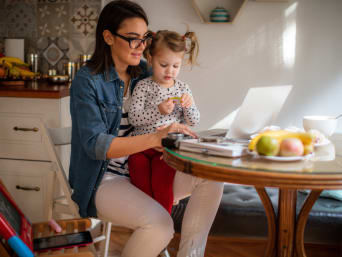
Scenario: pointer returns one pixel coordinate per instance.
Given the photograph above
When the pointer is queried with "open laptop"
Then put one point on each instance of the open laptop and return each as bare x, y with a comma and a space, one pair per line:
259, 109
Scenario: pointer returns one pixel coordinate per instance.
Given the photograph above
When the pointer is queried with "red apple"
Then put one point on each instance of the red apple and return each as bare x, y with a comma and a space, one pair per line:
291, 147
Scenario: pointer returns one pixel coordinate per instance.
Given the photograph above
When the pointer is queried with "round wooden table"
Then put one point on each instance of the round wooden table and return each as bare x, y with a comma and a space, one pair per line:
285, 230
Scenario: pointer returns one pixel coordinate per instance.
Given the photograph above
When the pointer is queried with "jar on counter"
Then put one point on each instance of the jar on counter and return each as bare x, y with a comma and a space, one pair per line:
84, 58
69, 69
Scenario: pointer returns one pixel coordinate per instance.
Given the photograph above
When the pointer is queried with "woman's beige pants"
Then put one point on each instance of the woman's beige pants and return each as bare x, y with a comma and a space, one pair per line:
120, 202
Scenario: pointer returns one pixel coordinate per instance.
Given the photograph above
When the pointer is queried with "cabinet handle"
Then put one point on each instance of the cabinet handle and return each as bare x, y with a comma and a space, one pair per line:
26, 129
28, 188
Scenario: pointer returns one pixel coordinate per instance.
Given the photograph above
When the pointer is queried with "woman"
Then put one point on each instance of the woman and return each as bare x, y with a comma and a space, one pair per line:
100, 95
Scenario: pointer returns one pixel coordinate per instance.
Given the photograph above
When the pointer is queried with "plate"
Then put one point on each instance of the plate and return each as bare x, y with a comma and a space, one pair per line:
283, 158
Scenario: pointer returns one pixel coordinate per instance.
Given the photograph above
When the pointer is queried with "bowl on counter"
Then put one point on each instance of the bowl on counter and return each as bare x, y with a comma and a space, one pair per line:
58, 79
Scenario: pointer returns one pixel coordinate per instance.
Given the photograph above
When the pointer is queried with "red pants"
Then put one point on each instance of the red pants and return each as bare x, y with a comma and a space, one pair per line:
153, 176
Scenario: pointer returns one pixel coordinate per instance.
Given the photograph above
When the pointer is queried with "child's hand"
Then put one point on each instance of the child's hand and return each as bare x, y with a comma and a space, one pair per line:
186, 101
166, 107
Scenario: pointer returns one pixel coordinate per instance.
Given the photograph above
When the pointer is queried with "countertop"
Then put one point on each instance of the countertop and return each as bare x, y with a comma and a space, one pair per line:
35, 89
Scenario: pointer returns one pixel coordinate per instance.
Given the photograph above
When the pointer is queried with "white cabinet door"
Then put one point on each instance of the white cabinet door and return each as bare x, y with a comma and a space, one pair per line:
30, 183
20, 118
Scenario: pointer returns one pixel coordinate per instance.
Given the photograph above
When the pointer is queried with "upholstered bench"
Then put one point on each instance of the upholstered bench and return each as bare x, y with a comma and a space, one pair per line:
241, 215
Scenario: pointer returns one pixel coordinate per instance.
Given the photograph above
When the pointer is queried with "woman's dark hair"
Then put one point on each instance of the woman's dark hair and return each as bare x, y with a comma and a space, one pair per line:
111, 17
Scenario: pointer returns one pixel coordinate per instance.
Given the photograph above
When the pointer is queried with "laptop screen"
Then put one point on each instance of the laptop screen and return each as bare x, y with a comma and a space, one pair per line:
259, 109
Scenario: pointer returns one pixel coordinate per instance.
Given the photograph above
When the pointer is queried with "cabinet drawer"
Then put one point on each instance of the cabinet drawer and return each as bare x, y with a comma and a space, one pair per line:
30, 183
20, 128
27, 113
21, 138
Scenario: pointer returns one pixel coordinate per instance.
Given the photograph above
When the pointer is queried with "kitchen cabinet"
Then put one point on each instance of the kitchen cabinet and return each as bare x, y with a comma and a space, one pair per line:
31, 185
25, 167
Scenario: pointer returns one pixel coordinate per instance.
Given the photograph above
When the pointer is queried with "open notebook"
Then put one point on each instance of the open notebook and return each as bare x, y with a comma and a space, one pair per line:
259, 109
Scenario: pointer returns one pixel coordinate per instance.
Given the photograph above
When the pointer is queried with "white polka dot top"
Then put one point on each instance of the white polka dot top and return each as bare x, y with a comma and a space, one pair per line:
144, 114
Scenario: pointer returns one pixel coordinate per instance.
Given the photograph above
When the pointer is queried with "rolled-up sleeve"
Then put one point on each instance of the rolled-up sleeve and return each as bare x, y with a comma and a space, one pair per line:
102, 145
90, 119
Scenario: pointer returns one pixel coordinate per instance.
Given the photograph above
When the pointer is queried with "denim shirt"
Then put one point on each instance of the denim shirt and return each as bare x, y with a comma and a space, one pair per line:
95, 107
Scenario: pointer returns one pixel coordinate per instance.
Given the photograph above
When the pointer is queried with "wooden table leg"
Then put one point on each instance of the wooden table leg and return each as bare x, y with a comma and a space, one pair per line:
302, 219
271, 221
286, 222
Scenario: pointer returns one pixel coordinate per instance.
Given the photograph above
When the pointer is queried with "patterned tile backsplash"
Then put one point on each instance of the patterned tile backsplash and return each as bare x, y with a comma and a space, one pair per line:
58, 30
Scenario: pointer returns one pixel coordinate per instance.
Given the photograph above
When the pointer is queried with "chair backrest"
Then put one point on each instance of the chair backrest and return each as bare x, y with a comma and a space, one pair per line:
62, 136
51, 138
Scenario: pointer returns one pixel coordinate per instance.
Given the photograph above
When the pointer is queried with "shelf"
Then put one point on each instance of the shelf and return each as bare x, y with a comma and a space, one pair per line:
279, 1
204, 7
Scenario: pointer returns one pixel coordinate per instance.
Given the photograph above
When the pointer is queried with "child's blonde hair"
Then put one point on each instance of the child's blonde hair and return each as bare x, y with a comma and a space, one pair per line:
186, 43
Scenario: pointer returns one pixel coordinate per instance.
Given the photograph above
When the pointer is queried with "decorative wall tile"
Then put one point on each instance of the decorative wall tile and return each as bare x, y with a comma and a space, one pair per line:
52, 19
53, 53
53, 1
21, 18
3, 29
58, 30
80, 45
30, 2
3, 25
2, 46
84, 19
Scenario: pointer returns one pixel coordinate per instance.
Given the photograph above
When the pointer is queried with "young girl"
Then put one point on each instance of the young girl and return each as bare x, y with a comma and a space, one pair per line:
161, 100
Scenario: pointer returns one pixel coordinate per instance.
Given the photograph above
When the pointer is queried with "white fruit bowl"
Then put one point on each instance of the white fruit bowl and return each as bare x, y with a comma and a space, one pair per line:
324, 124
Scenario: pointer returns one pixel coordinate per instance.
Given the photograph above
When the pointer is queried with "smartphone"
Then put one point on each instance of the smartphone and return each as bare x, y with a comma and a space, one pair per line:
62, 241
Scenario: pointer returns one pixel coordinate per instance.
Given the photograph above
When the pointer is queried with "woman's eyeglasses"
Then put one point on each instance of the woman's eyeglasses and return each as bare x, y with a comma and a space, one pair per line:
134, 43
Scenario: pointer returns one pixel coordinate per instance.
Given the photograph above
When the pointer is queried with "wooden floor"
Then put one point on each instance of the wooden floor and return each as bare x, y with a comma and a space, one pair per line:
223, 246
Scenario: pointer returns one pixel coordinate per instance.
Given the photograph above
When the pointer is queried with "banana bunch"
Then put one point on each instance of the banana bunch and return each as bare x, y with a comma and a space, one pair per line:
306, 138
16, 68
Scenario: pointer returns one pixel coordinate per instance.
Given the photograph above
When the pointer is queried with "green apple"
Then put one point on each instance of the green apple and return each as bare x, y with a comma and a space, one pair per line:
267, 145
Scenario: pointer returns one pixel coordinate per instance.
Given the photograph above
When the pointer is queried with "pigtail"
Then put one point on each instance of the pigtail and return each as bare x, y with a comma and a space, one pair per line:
147, 52
191, 46
186, 43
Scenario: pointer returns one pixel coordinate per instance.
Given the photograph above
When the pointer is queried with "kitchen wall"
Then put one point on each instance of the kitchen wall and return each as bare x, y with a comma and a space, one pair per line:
58, 30
298, 42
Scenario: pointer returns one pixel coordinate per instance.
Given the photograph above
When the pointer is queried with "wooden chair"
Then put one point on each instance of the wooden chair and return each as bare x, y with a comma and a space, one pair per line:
63, 204
62, 136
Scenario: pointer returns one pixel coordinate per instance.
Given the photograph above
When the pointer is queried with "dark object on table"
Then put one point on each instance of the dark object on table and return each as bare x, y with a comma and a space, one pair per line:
62, 241
172, 140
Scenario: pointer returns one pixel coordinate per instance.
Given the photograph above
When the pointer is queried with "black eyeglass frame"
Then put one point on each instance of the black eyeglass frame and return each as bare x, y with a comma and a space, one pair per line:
130, 39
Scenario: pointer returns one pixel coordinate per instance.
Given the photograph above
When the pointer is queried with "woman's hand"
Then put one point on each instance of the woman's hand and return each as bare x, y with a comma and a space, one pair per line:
166, 107
186, 101
163, 131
